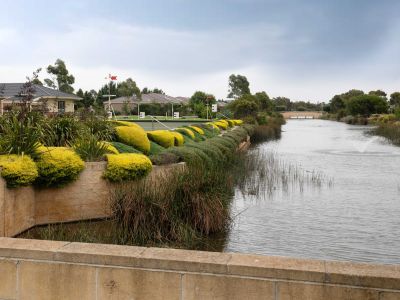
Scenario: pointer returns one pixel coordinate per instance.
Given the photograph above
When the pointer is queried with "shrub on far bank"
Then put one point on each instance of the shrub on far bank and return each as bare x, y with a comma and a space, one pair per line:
390, 131
18, 170
127, 166
264, 133
58, 166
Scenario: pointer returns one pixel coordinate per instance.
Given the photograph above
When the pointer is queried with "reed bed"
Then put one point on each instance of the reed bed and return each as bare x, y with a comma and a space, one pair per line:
265, 173
390, 131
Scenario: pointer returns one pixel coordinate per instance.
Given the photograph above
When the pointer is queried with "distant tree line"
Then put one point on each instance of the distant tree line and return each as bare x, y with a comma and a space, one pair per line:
357, 103
244, 104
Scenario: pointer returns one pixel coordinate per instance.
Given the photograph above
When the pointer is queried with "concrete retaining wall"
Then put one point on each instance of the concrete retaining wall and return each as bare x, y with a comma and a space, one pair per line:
86, 198
31, 269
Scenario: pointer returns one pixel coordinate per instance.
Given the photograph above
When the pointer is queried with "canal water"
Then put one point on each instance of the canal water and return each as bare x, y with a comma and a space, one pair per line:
357, 218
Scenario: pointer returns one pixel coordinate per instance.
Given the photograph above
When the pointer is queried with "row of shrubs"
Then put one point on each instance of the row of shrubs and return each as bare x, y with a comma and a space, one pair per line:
126, 147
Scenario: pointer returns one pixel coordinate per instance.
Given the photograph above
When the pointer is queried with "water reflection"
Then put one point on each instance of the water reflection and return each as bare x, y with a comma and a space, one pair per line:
356, 219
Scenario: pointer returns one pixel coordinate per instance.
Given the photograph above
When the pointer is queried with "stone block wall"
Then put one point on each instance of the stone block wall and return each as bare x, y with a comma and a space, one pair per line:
31, 269
86, 198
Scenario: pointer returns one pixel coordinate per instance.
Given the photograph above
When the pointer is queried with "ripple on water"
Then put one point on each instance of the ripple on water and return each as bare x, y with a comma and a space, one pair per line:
357, 219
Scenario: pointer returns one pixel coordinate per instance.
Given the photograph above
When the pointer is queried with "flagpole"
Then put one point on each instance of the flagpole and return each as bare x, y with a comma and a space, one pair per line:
111, 78
109, 97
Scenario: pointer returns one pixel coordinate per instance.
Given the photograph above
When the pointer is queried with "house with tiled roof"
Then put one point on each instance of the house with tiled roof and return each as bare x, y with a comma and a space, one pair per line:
151, 98
54, 100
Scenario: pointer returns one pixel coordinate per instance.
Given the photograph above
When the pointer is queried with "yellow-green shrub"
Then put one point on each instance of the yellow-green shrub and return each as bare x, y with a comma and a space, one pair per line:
213, 126
186, 131
197, 129
18, 170
134, 136
238, 122
162, 137
222, 125
225, 121
231, 123
58, 166
179, 139
126, 123
127, 166
109, 147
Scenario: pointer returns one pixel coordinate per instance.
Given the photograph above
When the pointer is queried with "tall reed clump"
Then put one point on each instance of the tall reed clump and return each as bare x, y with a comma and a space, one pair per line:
19, 135
186, 204
179, 208
390, 131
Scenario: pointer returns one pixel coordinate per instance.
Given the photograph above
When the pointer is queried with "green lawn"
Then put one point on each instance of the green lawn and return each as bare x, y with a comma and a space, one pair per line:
161, 118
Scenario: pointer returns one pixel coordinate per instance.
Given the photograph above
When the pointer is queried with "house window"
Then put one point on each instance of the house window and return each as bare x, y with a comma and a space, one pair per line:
61, 106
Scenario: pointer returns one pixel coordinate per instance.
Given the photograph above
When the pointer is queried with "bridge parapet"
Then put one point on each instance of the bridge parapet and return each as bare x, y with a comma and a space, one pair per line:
302, 114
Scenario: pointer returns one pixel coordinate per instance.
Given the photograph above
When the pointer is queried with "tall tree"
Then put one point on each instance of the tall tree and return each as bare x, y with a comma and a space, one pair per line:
395, 99
264, 101
378, 93
61, 80
352, 93
36, 80
198, 103
107, 89
366, 105
238, 86
146, 90
88, 98
282, 103
128, 88
245, 106
337, 103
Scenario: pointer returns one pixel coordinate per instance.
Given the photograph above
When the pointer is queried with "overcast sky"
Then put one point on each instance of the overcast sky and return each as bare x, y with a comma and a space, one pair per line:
302, 49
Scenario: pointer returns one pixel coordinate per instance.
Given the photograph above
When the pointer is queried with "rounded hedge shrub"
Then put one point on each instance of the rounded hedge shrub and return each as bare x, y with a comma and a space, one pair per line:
238, 122
225, 121
127, 166
109, 147
213, 127
197, 129
134, 136
231, 123
58, 166
208, 131
18, 170
179, 139
126, 123
162, 137
221, 125
186, 131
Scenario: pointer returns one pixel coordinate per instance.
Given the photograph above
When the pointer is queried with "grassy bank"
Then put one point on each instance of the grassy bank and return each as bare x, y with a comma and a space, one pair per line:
179, 210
